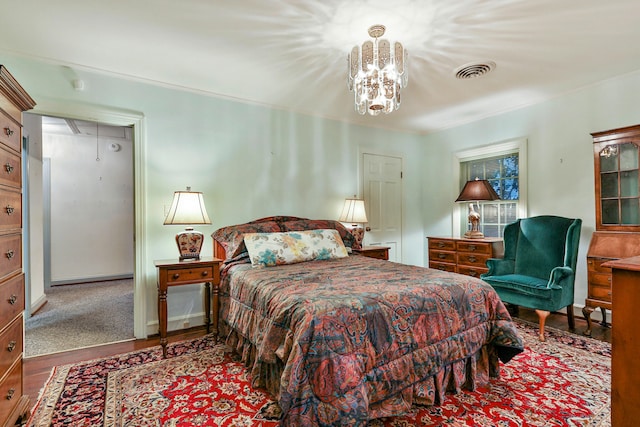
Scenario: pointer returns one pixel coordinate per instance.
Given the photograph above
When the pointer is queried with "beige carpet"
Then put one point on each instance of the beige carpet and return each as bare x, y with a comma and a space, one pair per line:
81, 315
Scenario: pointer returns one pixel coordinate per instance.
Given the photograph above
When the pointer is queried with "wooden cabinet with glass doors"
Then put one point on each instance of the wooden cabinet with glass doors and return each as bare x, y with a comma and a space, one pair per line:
617, 235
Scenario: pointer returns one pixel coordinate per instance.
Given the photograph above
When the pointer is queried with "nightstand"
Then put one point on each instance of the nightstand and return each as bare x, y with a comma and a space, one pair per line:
380, 252
187, 272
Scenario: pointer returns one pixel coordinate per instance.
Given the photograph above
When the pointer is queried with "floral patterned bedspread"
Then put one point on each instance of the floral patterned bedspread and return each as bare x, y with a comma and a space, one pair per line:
353, 339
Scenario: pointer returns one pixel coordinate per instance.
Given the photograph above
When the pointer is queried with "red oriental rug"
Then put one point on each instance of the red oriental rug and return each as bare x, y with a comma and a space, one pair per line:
562, 382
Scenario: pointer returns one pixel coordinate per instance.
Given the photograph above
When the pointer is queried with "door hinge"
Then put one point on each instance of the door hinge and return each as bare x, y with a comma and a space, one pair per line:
401, 175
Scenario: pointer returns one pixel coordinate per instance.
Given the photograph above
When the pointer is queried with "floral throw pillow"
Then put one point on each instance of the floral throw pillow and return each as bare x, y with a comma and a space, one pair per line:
271, 249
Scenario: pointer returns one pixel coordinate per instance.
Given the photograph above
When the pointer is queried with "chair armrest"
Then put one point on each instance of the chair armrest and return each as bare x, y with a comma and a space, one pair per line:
558, 276
500, 266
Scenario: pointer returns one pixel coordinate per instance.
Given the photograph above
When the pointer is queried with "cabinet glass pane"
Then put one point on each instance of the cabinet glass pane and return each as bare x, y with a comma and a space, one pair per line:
610, 214
608, 185
629, 183
609, 161
630, 211
628, 156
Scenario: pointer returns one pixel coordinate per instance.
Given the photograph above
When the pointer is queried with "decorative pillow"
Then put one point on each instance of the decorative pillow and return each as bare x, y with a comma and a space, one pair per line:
232, 237
310, 224
291, 247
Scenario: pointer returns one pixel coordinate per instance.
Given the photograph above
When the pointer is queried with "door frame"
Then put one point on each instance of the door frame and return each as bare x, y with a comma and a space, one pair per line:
137, 121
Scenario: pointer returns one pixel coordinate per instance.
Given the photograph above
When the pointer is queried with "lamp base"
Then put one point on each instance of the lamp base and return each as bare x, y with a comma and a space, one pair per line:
189, 243
473, 234
358, 234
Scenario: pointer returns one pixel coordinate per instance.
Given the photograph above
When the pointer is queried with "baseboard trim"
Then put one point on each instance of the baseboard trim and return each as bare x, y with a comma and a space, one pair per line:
37, 305
91, 279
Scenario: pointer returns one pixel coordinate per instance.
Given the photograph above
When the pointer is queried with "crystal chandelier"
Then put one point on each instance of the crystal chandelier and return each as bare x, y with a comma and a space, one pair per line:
377, 73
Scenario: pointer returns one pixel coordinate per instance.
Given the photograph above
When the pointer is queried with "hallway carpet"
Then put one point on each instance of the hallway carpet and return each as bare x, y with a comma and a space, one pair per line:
81, 315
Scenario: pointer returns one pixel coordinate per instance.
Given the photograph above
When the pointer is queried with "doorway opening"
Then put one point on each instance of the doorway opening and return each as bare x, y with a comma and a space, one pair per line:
83, 285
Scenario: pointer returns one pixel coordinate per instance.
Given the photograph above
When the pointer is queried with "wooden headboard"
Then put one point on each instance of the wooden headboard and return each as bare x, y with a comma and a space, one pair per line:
219, 251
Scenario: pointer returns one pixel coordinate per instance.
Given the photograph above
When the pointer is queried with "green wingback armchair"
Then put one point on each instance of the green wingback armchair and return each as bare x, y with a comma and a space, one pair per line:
539, 264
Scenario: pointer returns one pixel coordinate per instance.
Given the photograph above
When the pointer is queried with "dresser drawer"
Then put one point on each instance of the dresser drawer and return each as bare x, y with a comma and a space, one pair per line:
476, 248
10, 345
442, 256
11, 299
10, 133
11, 390
471, 271
442, 266
595, 265
10, 210
599, 292
10, 254
185, 275
472, 259
442, 244
10, 168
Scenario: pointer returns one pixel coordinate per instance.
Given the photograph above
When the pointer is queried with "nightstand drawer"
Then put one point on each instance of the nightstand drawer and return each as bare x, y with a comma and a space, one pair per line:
183, 275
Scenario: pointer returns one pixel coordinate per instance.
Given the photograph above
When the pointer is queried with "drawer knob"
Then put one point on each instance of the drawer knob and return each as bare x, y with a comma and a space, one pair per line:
441, 244
205, 273
12, 299
9, 254
176, 275
442, 256
8, 167
11, 346
472, 259
8, 131
473, 273
9, 209
472, 247
10, 393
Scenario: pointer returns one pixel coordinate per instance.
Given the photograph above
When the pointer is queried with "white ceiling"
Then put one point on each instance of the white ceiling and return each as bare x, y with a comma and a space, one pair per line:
291, 54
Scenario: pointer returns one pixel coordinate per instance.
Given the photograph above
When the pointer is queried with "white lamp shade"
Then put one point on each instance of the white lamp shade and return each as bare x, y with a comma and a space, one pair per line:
353, 212
187, 208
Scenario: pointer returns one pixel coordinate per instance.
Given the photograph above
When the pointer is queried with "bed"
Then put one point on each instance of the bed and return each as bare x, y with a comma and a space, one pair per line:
338, 338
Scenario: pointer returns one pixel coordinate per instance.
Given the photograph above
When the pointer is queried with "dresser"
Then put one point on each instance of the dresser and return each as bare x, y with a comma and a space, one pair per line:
464, 256
625, 342
14, 406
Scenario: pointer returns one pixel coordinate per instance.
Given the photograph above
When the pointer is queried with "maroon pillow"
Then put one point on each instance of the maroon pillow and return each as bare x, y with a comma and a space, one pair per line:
232, 237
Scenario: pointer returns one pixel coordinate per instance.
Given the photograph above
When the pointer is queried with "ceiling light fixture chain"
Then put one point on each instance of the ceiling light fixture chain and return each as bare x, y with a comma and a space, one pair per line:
377, 73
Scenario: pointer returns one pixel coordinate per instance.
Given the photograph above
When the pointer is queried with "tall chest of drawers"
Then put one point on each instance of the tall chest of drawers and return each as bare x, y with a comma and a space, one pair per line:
464, 256
14, 406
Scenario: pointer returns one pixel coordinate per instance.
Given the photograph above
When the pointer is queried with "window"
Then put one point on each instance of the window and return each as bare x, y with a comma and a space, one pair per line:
503, 166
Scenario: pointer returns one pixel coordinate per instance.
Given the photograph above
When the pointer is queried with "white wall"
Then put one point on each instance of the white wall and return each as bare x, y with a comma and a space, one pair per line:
91, 205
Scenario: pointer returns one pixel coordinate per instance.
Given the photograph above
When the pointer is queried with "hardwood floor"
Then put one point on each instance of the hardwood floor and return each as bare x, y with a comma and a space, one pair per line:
37, 369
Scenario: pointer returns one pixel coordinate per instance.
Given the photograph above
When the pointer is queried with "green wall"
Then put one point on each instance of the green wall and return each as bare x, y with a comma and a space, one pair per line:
249, 161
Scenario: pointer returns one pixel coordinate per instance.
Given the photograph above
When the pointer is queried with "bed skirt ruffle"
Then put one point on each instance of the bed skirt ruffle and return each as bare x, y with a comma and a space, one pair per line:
465, 374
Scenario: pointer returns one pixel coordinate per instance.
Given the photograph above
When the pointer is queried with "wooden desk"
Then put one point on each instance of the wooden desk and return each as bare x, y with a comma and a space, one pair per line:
625, 342
173, 272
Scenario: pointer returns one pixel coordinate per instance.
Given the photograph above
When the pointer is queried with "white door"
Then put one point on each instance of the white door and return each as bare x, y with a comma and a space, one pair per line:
382, 188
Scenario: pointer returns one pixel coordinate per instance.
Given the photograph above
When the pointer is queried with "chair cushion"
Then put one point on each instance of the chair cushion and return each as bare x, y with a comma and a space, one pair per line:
541, 245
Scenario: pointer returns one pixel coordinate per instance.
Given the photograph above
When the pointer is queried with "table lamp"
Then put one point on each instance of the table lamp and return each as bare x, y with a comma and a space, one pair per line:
476, 191
353, 212
187, 208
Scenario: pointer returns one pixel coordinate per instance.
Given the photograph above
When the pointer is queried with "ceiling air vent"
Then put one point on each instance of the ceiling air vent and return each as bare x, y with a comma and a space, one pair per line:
473, 70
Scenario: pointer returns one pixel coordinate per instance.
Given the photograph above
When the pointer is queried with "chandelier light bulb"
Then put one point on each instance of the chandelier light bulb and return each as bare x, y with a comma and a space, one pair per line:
377, 73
